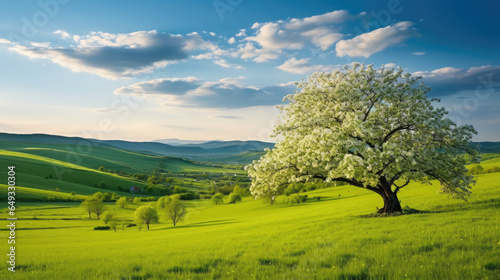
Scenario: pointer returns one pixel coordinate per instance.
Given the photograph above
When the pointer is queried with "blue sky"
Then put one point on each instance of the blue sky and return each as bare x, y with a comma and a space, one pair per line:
144, 70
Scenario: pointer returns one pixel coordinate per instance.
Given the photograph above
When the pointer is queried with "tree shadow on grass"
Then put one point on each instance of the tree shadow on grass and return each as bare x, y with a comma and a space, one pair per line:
201, 224
406, 211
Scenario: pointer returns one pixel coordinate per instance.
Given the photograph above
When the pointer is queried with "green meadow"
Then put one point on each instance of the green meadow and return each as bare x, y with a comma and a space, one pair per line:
333, 237
71, 168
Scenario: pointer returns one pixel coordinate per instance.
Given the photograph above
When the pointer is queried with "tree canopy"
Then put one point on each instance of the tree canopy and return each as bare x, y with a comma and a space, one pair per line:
146, 215
175, 208
371, 128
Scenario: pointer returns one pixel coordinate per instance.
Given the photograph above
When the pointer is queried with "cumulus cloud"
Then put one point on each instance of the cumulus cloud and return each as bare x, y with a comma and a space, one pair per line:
270, 39
448, 80
321, 30
231, 40
226, 93
302, 66
241, 33
258, 55
5, 42
118, 55
375, 41
224, 63
63, 34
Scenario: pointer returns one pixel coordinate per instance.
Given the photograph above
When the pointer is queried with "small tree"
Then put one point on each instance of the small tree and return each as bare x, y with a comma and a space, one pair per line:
122, 202
161, 202
146, 215
234, 197
218, 198
137, 200
102, 185
98, 195
98, 207
101, 168
87, 205
175, 209
113, 225
106, 217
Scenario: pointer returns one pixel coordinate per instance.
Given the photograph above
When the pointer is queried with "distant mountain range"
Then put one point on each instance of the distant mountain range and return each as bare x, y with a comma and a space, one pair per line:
179, 142
239, 152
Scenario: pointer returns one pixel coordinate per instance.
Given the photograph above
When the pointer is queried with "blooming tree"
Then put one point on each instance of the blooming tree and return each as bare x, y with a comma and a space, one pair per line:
371, 128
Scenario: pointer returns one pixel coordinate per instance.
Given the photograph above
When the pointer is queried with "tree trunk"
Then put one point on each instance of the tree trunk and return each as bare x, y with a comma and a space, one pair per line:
147, 226
391, 201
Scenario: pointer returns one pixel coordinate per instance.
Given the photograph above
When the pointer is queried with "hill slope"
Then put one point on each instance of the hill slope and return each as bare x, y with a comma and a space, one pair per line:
213, 151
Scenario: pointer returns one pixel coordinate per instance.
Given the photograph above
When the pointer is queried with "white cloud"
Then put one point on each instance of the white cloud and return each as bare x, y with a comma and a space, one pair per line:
5, 41
63, 34
231, 40
258, 55
224, 63
228, 93
418, 53
40, 45
321, 30
272, 38
302, 66
390, 65
375, 41
448, 80
339, 16
116, 56
241, 33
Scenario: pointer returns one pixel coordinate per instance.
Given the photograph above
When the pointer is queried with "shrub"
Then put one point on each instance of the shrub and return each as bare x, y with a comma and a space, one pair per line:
234, 197
476, 169
122, 202
102, 228
187, 196
218, 198
299, 199
137, 200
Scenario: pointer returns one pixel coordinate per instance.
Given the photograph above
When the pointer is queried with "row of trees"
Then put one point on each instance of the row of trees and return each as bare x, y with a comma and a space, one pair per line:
172, 205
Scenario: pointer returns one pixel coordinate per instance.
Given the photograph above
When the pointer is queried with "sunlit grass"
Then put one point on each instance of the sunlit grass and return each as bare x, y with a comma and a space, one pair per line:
326, 239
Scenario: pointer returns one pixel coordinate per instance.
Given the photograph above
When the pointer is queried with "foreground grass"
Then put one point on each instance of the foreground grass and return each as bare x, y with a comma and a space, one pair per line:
326, 239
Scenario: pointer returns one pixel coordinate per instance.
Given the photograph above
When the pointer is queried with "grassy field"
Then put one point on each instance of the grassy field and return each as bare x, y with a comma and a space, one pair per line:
332, 238
72, 169
115, 159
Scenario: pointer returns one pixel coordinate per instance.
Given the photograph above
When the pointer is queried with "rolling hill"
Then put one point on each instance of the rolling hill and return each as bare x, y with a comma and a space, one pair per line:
212, 151
42, 168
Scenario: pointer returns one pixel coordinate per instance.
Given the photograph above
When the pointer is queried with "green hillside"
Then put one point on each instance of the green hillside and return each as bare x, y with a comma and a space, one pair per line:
45, 173
110, 158
213, 151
